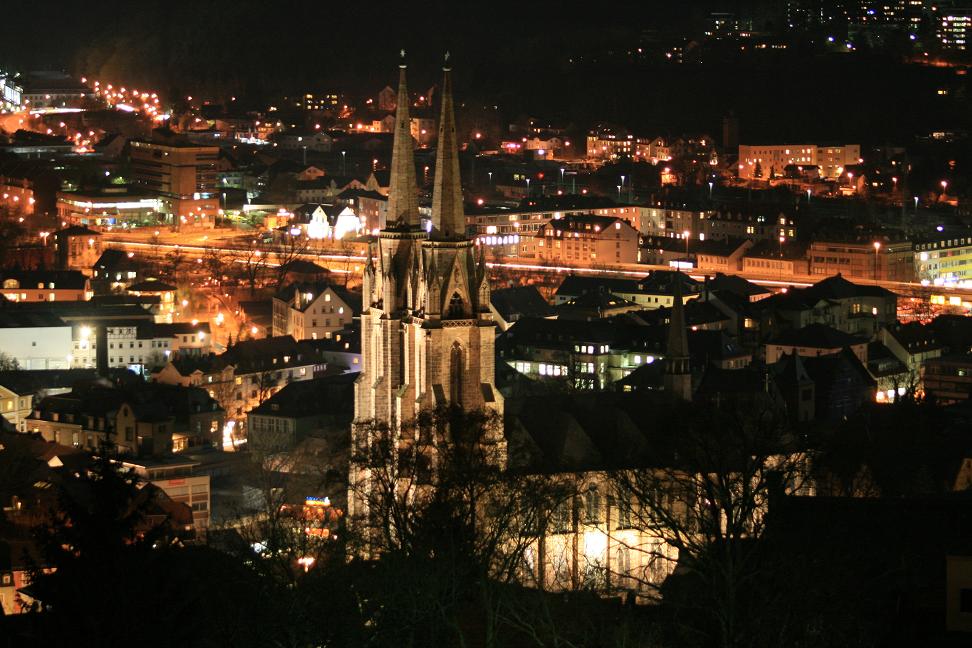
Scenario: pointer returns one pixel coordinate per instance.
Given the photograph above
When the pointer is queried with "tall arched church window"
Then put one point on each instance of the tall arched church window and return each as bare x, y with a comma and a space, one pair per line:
455, 375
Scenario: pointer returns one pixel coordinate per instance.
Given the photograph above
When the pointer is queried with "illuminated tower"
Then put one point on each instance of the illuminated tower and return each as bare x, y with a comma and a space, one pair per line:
427, 336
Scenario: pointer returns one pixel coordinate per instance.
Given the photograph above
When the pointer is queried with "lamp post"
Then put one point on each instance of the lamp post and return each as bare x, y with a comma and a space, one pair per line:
619, 192
916, 205
685, 235
944, 184
877, 249
528, 187
562, 169
782, 239
344, 166
490, 174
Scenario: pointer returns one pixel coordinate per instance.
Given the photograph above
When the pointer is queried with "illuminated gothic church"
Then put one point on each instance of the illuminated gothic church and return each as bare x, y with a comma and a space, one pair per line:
427, 336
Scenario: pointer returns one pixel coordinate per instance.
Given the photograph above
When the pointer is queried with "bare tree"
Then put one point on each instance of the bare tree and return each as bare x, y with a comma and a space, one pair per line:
292, 248
250, 263
433, 499
706, 503
216, 262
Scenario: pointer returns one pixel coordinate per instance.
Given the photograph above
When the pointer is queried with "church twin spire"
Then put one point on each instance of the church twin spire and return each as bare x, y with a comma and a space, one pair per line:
448, 216
402, 196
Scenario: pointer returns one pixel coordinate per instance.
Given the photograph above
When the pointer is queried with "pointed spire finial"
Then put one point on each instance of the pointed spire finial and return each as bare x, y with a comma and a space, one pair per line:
447, 208
402, 196
446, 66
402, 56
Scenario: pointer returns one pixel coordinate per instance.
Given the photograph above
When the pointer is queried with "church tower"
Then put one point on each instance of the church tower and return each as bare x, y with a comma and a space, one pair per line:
427, 336
678, 366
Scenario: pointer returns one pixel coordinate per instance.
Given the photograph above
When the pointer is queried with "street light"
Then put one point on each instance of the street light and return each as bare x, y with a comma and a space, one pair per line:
877, 249
528, 187
944, 186
344, 166
490, 174
685, 235
619, 192
562, 169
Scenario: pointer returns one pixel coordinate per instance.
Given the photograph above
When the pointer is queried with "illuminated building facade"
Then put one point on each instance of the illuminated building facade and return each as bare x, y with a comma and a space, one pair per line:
587, 240
881, 261
763, 161
945, 259
182, 176
16, 195
11, 92
953, 28
113, 206
508, 232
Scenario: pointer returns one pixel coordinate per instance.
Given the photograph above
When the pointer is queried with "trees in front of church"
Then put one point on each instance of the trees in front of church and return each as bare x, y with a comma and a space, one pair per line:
707, 501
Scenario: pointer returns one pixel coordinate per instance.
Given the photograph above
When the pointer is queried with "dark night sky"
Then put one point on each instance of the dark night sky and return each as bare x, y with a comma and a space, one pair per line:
513, 54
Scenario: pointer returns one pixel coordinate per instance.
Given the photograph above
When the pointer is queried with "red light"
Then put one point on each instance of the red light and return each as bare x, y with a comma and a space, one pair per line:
540, 176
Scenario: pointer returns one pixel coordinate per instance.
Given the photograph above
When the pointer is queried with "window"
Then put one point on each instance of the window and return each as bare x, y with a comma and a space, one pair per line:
560, 518
592, 506
965, 601
455, 374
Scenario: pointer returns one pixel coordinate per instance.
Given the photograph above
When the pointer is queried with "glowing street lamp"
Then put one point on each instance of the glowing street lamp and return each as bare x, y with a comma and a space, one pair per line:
944, 184
877, 249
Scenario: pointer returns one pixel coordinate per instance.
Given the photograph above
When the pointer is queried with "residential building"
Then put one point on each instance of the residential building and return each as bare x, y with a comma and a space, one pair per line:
511, 304
20, 388
55, 90
912, 345
302, 409
178, 477
35, 339
610, 144
76, 247
183, 177
140, 345
948, 379
245, 375
165, 292
953, 28
511, 232
945, 259
16, 195
764, 161
311, 311
814, 340
656, 290
587, 240
874, 260
114, 270
35, 286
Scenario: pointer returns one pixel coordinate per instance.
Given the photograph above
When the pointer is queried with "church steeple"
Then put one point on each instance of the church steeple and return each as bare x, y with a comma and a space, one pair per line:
678, 370
402, 195
448, 216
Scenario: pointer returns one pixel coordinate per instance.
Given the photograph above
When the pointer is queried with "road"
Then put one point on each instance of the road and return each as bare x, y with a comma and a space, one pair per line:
196, 245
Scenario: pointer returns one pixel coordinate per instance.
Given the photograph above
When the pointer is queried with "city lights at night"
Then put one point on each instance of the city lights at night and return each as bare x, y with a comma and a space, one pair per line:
486, 325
